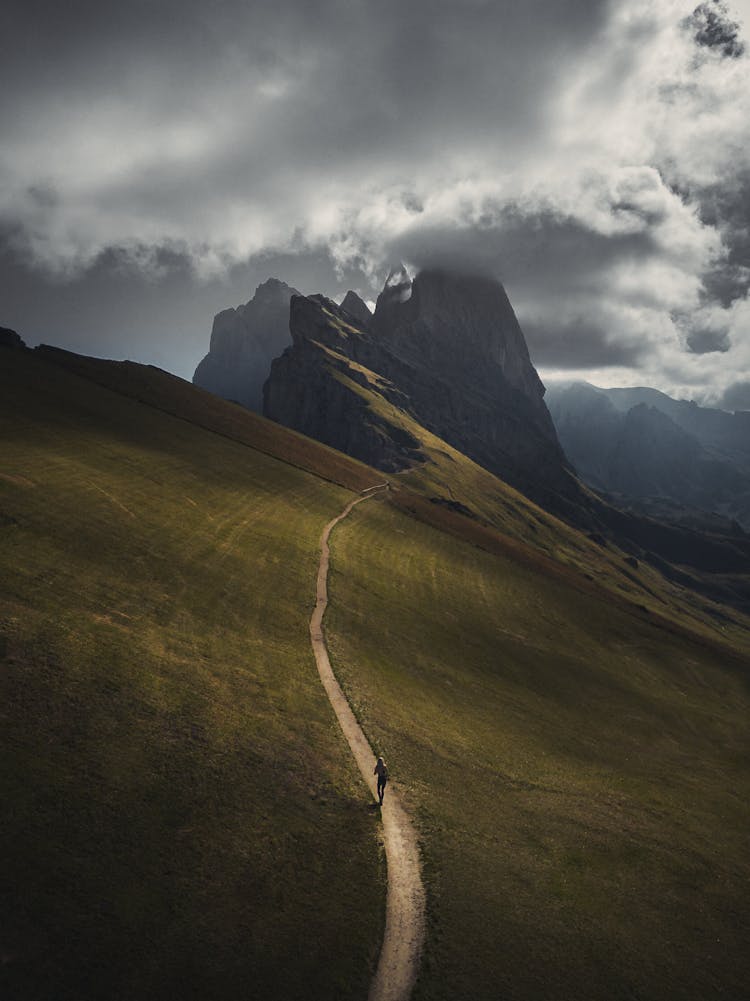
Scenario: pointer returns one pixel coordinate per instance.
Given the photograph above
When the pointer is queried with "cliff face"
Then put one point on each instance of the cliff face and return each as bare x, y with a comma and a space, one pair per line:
461, 323
244, 341
357, 308
448, 351
471, 378
319, 386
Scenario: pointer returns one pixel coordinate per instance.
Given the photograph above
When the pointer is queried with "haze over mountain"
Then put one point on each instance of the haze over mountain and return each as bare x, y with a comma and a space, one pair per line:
244, 341
671, 458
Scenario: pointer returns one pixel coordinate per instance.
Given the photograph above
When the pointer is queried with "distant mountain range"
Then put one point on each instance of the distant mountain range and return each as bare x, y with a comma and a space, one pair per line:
667, 458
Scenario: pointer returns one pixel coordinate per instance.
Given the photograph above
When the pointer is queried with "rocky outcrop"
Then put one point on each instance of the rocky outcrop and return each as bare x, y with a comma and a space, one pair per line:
318, 387
244, 341
10, 339
356, 307
447, 351
471, 380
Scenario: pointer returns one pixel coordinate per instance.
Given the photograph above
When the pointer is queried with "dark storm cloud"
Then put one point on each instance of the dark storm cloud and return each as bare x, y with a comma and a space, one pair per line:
725, 205
171, 115
578, 344
533, 252
138, 132
703, 340
541, 258
382, 72
713, 28
149, 143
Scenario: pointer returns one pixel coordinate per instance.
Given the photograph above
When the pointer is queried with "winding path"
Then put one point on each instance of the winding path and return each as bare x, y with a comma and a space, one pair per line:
405, 901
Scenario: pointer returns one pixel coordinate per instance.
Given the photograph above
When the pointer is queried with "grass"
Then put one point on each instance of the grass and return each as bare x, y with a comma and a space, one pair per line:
579, 775
175, 396
181, 816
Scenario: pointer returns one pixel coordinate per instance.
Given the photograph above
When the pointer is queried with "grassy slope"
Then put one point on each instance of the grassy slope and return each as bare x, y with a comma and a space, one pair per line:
580, 776
588, 790
523, 527
181, 817
175, 396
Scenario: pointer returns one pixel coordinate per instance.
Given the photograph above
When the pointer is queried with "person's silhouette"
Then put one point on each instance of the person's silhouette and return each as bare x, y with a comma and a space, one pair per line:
382, 773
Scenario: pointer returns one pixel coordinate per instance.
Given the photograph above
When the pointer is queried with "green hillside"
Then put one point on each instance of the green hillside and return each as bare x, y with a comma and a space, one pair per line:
580, 776
495, 515
181, 817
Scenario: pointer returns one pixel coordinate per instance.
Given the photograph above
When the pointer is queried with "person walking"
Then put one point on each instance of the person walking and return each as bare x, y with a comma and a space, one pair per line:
382, 773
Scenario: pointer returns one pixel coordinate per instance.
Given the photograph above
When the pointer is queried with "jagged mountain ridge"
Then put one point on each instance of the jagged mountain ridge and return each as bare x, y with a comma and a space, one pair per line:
357, 307
669, 458
445, 349
723, 435
442, 367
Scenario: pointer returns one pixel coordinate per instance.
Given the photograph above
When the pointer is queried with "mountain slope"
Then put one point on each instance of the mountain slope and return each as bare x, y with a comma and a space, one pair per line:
568, 726
180, 814
580, 776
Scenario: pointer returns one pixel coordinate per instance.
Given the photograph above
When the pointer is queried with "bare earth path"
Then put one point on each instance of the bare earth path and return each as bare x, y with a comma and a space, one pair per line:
405, 902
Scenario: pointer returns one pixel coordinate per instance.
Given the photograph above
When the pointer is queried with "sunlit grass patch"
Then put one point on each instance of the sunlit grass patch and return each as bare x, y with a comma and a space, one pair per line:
580, 775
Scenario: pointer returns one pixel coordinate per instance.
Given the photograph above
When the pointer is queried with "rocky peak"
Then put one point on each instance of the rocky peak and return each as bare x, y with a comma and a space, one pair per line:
244, 341
10, 339
271, 291
396, 291
356, 307
446, 350
459, 320
321, 386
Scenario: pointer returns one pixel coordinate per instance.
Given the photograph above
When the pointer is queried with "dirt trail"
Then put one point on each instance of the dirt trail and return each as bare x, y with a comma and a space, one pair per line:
405, 902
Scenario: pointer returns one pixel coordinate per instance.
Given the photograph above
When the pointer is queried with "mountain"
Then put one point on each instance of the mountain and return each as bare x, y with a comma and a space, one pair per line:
441, 378
243, 343
445, 350
356, 307
10, 339
666, 457
723, 435
180, 814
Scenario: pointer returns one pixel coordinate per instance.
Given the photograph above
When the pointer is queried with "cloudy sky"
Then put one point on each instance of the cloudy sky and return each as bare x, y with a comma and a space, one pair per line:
160, 159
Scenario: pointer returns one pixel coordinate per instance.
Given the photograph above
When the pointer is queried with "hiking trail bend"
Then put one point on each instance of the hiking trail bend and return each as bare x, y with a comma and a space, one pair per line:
400, 953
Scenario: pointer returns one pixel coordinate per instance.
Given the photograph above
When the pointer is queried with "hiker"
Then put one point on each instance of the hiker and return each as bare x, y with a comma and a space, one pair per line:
382, 773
